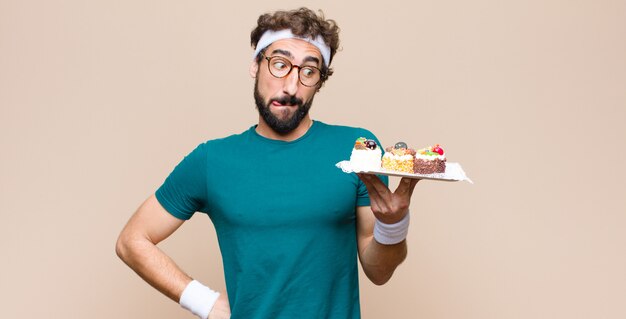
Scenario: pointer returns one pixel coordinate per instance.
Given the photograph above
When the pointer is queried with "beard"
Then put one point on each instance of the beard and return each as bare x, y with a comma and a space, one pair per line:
286, 125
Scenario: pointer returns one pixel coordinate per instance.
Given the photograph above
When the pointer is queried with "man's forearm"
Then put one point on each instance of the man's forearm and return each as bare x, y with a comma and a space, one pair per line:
153, 265
380, 261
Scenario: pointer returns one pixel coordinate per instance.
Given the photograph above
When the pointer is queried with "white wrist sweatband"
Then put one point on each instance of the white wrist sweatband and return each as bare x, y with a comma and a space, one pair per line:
389, 234
199, 299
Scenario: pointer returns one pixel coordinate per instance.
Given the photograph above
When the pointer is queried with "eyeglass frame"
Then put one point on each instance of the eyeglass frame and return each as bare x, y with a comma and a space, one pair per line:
322, 78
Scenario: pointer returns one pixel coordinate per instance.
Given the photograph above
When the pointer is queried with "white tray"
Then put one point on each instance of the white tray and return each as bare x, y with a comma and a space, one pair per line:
454, 173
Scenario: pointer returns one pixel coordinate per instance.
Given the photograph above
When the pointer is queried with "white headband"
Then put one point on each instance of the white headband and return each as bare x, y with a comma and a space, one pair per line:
270, 37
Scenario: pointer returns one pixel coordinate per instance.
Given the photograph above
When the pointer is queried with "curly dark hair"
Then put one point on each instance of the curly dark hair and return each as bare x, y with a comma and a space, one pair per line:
304, 23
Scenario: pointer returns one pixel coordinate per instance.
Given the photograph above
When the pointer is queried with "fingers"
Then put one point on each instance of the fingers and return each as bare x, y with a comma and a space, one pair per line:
382, 200
376, 187
384, 203
377, 201
413, 184
404, 191
376, 183
406, 186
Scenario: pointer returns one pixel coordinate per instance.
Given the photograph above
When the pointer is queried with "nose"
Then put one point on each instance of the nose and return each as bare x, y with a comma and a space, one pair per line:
291, 81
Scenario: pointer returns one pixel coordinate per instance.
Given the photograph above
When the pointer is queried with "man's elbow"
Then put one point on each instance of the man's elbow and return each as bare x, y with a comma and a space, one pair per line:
120, 247
381, 274
380, 278
123, 247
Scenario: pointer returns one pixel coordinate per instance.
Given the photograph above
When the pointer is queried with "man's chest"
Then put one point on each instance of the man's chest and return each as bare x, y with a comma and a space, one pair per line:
281, 189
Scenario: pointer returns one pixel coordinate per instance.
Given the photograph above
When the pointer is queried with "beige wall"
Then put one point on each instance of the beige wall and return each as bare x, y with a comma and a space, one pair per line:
100, 99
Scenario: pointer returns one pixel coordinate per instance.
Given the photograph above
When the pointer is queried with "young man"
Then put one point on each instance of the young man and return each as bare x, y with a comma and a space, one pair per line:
291, 225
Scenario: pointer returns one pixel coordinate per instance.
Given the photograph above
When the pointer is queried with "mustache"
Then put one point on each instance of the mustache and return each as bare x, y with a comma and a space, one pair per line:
288, 100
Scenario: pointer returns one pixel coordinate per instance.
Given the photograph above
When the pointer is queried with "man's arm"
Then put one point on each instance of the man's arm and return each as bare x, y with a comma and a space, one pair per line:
380, 261
136, 246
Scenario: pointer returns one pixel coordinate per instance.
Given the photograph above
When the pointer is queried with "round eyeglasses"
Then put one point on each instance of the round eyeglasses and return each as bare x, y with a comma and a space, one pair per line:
280, 67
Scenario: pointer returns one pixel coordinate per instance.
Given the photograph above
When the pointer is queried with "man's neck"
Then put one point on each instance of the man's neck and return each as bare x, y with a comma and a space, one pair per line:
266, 131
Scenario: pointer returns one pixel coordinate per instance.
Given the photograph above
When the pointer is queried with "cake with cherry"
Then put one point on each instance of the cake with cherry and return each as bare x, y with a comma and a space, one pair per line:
430, 160
365, 155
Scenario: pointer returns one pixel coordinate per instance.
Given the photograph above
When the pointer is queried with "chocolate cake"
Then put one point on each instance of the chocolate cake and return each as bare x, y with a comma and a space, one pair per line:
430, 160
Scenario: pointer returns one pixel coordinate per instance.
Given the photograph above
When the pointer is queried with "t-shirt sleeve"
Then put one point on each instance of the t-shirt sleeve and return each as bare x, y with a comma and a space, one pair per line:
363, 198
184, 191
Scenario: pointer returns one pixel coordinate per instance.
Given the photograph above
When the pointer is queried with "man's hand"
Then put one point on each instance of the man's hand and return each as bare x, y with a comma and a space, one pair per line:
380, 261
221, 309
389, 207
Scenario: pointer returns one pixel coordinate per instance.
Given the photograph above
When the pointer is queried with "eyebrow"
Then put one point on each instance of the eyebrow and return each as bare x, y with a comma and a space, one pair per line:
283, 52
289, 55
311, 59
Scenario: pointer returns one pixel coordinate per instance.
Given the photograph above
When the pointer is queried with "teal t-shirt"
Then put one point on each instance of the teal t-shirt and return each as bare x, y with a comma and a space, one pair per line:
284, 216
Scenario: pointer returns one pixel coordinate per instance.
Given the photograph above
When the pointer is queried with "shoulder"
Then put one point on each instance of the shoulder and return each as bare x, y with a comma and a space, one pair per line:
348, 131
214, 146
346, 134
226, 141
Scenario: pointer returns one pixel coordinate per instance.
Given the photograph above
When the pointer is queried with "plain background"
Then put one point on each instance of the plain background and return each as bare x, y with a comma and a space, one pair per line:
101, 99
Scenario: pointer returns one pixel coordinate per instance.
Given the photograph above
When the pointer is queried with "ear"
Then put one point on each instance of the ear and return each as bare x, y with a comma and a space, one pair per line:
254, 68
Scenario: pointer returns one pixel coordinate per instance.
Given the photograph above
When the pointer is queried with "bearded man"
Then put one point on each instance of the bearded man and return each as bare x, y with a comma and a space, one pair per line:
290, 225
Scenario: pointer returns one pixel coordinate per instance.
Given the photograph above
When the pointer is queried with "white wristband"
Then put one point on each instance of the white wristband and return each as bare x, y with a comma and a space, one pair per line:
389, 234
199, 299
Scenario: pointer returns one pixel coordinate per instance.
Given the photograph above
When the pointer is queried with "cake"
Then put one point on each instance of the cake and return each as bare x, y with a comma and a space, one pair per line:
365, 155
430, 160
399, 158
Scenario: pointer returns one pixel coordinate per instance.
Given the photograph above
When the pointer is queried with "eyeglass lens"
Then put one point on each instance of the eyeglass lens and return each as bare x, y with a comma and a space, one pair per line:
281, 67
